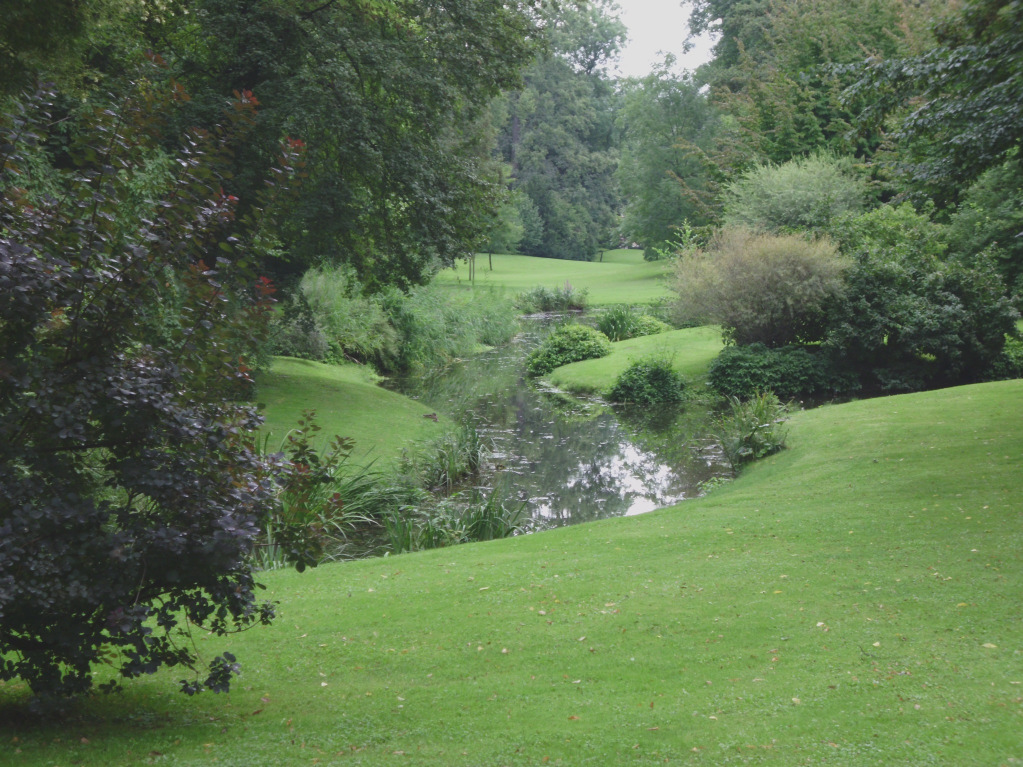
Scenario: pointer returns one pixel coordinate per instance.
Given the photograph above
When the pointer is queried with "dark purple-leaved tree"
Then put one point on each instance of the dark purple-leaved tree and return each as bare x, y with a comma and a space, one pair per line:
130, 491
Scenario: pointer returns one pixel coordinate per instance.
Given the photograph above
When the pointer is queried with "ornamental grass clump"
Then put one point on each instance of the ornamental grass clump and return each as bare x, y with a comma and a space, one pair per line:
751, 429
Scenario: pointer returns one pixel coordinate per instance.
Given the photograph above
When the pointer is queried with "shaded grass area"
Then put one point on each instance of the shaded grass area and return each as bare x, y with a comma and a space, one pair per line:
853, 600
348, 402
691, 351
622, 278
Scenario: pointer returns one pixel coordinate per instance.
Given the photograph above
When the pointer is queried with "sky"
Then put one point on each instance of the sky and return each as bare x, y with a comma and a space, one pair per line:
657, 25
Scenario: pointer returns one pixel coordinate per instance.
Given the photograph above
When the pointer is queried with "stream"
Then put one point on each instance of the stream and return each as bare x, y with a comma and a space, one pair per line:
570, 459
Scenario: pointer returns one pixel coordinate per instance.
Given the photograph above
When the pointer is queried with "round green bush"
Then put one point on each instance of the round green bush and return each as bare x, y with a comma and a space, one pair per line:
650, 326
648, 382
570, 343
789, 372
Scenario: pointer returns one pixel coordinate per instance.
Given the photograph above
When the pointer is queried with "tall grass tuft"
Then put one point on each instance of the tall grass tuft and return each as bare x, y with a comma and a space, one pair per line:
439, 465
543, 299
461, 518
751, 429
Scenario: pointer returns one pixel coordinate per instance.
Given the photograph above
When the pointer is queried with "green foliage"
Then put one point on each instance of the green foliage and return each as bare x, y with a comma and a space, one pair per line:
541, 299
435, 326
441, 464
322, 502
354, 325
392, 330
804, 194
957, 103
622, 321
751, 429
909, 320
790, 372
559, 135
1009, 363
990, 218
462, 518
651, 381
778, 72
570, 343
131, 492
761, 288
664, 172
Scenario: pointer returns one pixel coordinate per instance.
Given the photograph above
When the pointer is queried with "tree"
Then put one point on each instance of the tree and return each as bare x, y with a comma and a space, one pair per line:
666, 177
559, 137
392, 100
989, 218
130, 490
777, 71
959, 104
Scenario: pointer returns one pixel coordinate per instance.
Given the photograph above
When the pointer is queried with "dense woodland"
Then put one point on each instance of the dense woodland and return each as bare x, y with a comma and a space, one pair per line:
170, 170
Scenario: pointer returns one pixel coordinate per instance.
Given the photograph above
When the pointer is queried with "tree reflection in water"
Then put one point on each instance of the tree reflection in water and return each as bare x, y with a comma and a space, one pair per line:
571, 460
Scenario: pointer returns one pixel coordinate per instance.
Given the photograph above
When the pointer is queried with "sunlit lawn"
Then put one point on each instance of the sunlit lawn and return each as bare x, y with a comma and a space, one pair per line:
623, 276
690, 350
348, 402
854, 600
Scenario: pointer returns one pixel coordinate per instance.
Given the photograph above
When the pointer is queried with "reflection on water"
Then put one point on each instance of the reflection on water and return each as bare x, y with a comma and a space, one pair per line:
570, 460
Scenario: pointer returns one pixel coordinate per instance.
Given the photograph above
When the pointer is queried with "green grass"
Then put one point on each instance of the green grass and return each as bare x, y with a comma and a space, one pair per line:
622, 278
691, 350
853, 600
348, 402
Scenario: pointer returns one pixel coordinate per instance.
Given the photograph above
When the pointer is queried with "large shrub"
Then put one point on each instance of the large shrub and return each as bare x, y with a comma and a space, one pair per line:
806, 194
761, 288
648, 382
435, 325
910, 319
790, 372
570, 343
355, 325
130, 491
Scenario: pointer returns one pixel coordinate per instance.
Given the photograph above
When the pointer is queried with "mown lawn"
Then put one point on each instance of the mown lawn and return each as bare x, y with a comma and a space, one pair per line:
690, 350
854, 600
348, 402
622, 278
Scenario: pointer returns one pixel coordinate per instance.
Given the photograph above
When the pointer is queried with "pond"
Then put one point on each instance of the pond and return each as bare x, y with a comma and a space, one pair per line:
571, 459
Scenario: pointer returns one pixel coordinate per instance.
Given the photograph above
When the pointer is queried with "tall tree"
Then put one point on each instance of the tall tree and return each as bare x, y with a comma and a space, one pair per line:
560, 137
964, 98
667, 179
777, 71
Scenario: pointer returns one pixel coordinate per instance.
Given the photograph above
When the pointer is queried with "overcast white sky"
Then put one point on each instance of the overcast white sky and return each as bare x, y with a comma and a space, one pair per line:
657, 25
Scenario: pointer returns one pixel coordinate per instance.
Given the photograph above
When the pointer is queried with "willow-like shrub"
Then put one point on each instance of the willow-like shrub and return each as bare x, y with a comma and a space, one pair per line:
760, 288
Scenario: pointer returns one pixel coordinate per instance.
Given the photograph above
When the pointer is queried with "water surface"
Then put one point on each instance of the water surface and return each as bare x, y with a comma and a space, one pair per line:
569, 459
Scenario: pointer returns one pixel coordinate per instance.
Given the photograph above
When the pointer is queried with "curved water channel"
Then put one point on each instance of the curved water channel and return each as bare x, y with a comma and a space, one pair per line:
569, 459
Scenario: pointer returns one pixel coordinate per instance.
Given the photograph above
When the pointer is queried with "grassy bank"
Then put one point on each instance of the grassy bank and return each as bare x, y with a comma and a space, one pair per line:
622, 278
691, 351
853, 600
349, 402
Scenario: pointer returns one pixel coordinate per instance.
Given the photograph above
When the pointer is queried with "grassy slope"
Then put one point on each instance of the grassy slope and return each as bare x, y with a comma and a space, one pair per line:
622, 278
853, 600
691, 350
348, 402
